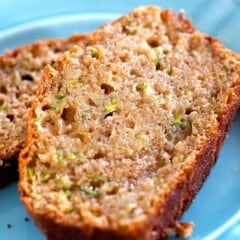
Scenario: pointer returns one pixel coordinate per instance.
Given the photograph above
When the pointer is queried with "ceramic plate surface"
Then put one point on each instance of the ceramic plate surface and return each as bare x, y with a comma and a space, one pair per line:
216, 209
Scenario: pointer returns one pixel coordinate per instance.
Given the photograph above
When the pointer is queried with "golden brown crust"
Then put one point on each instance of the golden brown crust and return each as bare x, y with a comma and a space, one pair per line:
178, 196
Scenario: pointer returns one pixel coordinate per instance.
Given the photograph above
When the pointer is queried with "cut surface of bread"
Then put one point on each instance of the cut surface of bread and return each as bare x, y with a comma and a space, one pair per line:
123, 132
20, 74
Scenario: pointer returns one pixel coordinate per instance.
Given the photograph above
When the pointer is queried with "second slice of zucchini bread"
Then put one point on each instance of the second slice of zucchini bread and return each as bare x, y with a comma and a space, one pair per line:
20, 74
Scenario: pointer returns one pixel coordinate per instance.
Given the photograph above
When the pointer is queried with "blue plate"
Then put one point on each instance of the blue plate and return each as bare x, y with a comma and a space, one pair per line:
216, 209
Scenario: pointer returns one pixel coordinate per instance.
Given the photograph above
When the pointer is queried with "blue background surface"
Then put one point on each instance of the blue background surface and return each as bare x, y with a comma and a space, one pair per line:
216, 210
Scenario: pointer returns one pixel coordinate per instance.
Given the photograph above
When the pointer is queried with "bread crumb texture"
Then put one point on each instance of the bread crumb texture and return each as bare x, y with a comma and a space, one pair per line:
116, 121
184, 229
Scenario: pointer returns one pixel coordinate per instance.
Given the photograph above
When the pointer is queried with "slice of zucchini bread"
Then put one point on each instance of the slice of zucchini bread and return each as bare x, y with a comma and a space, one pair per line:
20, 73
123, 132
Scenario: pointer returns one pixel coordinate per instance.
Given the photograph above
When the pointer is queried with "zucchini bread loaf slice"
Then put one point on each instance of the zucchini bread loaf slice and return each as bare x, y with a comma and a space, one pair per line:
123, 132
20, 74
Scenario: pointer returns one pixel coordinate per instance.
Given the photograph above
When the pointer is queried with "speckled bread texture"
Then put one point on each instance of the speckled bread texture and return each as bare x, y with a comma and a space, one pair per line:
20, 74
123, 133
